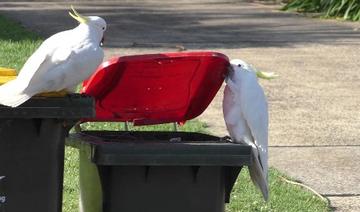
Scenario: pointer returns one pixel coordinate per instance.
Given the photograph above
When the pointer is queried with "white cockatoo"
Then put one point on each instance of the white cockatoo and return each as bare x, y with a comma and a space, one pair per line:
246, 117
60, 63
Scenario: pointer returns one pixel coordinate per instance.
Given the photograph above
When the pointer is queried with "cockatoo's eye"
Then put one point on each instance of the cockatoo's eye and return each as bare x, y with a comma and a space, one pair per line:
103, 28
239, 65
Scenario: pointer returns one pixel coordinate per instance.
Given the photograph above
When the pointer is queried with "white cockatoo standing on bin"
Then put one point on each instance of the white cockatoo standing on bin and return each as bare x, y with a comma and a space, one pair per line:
60, 63
246, 116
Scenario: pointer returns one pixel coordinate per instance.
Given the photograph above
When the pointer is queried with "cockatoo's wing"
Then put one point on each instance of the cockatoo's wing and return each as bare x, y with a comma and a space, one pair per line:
48, 74
65, 68
234, 119
255, 111
46, 49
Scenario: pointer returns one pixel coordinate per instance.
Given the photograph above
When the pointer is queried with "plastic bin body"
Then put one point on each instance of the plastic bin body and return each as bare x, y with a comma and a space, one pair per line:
164, 188
149, 171
32, 151
31, 159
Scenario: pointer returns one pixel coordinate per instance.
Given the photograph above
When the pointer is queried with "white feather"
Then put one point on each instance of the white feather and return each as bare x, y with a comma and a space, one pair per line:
61, 62
246, 117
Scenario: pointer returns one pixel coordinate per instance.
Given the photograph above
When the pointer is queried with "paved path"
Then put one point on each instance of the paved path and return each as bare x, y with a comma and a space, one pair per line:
314, 105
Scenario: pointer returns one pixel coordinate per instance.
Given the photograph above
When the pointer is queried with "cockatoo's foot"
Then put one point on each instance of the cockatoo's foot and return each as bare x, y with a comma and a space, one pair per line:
61, 93
226, 139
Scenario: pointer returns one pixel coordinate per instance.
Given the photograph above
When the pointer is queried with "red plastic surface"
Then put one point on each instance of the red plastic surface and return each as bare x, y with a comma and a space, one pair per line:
156, 88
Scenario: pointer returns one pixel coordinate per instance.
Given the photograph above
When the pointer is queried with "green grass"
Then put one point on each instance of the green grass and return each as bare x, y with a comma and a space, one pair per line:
283, 196
16, 44
71, 180
190, 126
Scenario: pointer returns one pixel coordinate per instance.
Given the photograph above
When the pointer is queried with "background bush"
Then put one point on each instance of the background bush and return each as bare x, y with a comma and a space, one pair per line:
346, 9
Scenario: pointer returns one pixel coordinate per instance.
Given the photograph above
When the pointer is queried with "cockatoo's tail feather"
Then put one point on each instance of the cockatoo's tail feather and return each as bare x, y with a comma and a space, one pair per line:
266, 75
77, 16
11, 95
257, 174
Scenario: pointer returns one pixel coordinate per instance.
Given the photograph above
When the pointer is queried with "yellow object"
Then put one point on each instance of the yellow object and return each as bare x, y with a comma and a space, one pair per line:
5, 79
61, 93
7, 74
80, 18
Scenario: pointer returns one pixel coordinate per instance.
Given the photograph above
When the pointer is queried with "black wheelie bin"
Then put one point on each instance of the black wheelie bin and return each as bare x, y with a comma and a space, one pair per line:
32, 140
128, 171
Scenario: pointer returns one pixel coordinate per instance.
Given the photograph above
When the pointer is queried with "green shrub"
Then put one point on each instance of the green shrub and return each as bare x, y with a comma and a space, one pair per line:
346, 9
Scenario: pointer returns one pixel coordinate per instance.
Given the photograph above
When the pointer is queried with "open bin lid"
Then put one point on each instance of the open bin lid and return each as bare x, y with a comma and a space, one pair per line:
156, 88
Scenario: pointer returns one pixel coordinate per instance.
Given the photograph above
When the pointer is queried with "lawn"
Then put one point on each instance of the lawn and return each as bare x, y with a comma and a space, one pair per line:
16, 44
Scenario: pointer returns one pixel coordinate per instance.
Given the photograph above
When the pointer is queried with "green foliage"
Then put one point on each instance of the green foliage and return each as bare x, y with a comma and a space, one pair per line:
346, 9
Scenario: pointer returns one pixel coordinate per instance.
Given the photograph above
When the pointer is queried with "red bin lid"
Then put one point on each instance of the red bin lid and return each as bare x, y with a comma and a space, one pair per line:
156, 88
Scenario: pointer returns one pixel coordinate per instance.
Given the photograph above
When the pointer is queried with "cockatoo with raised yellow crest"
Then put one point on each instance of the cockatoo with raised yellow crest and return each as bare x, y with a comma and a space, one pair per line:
246, 117
60, 63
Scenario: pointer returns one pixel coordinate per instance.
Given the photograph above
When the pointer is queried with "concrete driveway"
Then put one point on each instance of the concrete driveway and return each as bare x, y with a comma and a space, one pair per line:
314, 105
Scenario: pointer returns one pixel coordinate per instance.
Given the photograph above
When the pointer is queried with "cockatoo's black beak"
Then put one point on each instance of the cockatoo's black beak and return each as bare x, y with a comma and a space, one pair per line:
229, 73
102, 41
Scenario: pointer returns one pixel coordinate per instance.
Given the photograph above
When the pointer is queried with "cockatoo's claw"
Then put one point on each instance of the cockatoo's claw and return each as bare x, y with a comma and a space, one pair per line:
77, 127
226, 139
84, 95
61, 93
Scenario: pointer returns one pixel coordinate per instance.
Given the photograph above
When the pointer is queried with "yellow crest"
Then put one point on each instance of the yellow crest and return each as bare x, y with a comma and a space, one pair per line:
77, 16
266, 75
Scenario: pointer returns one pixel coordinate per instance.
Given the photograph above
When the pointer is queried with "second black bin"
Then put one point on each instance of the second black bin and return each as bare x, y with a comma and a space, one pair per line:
157, 171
